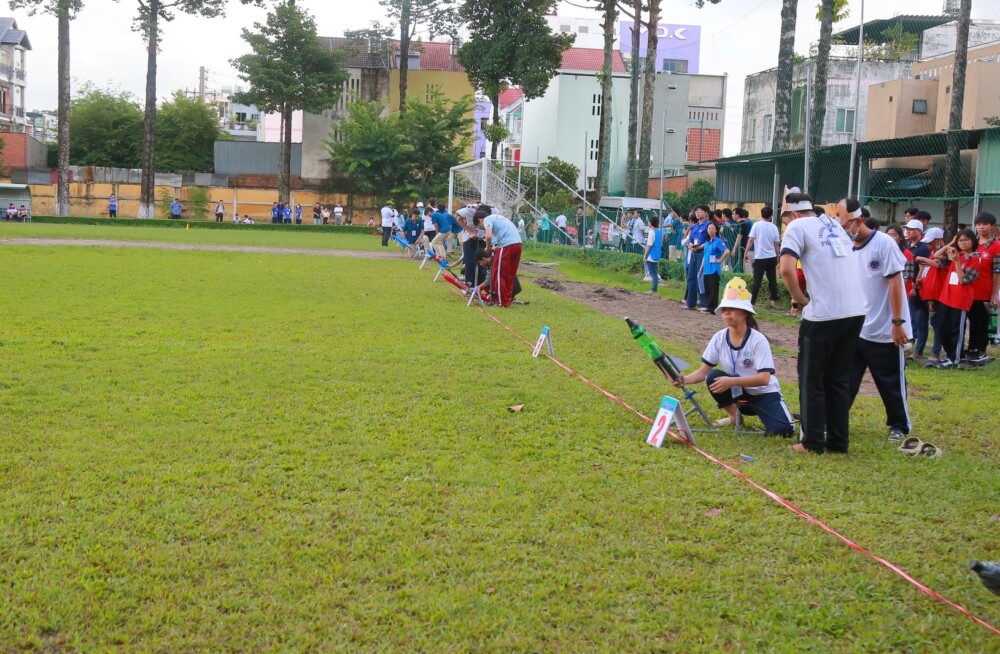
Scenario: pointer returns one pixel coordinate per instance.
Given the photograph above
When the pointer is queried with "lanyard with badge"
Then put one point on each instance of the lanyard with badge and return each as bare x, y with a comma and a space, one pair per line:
839, 249
737, 391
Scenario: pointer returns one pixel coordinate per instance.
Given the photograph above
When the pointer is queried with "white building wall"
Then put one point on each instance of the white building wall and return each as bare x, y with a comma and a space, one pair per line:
940, 40
564, 124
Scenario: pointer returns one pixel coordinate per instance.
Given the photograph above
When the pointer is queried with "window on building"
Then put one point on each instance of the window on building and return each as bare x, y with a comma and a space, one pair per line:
564, 28
845, 121
584, 29
431, 91
594, 144
675, 65
766, 131
595, 109
920, 106
591, 181
753, 128
483, 122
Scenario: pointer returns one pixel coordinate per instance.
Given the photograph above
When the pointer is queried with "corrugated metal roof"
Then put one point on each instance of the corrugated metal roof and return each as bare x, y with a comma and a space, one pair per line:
874, 28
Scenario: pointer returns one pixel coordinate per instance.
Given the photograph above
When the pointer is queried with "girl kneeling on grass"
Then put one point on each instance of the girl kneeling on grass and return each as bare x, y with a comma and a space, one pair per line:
747, 374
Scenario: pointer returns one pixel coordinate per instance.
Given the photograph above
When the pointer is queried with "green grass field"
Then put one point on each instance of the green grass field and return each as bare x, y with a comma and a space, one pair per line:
228, 452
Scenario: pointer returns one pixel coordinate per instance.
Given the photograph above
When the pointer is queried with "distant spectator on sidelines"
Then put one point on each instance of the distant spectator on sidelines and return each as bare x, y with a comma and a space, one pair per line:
765, 242
388, 219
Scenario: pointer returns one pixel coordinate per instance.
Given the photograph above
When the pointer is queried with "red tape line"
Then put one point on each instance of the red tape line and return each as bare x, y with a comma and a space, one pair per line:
771, 494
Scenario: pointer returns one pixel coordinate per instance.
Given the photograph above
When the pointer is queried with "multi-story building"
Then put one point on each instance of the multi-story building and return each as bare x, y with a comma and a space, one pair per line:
14, 44
886, 72
692, 111
241, 121
677, 50
43, 125
565, 122
922, 104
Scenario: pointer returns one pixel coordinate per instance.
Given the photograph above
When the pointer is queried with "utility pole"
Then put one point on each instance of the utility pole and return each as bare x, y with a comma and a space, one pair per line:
202, 76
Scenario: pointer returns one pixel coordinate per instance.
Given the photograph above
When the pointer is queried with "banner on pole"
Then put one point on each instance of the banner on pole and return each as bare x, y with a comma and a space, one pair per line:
669, 414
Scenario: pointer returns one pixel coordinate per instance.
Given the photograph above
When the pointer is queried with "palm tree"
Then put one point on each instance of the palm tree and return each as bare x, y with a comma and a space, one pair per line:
953, 173
828, 13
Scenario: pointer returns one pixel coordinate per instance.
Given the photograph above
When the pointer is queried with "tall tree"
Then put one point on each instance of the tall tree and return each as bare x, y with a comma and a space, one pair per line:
827, 13
147, 22
186, 132
652, 43
64, 11
632, 174
953, 173
439, 17
648, 95
783, 88
288, 69
609, 9
510, 44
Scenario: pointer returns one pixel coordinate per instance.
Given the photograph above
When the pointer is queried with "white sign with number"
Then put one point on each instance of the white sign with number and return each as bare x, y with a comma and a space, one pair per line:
670, 413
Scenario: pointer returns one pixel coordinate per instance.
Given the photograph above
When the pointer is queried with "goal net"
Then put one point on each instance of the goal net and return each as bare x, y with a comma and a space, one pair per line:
485, 181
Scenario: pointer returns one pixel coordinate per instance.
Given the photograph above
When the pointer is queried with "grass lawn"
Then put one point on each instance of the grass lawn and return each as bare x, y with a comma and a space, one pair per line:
237, 235
323, 460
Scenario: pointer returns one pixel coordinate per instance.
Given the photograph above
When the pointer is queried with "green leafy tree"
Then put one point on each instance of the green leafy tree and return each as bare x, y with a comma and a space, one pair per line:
186, 132
510, 44
993, 121
105, 129
64, 11
372, 150
288, 69
440, 131
404, 156
701, 191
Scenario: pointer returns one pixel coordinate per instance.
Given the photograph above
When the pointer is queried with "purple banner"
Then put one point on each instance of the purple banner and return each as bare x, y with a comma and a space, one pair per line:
677, 43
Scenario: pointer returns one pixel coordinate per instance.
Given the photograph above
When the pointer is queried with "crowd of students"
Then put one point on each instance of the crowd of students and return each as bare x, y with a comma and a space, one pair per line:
490, 244
866, 298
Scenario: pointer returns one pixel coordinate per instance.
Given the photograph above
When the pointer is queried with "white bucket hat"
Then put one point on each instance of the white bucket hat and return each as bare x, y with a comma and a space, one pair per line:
736, 296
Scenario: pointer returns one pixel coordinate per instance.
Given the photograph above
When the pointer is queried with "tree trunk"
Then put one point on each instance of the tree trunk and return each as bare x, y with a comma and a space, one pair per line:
494, 145
604, 147
783, 88
284, 172
62, 167
953, 178
404, 53
819, 88
632, 173
649, 87
147, 190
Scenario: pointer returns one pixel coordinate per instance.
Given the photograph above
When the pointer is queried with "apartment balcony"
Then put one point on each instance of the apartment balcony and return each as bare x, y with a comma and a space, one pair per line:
11, 112
13, 74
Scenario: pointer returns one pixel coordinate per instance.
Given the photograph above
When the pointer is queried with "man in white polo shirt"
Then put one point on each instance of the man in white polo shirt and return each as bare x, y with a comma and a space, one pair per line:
887, 327
561, 224
765, 240
832, 317
388, 220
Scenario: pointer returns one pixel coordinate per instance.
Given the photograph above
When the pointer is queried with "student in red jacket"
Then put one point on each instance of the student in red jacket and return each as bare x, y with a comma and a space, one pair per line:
956, 294
984, 289
930, 278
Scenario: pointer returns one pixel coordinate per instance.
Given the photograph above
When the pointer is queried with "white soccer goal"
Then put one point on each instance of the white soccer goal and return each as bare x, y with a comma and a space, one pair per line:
487, 181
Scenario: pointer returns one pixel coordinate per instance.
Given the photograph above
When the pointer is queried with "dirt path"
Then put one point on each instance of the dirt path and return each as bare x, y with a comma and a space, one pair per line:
393, 253
666, 318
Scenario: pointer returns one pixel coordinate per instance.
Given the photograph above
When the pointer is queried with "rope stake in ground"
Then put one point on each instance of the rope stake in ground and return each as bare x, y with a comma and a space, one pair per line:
769, 493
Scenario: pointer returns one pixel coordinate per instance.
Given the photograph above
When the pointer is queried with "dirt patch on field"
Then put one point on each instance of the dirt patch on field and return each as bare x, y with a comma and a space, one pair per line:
691, 329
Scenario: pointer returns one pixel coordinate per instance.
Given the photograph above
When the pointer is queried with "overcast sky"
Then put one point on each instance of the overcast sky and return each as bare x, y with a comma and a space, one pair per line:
739, 37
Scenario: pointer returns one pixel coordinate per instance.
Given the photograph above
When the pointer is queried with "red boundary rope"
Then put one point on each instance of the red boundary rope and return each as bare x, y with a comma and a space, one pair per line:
771, 494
